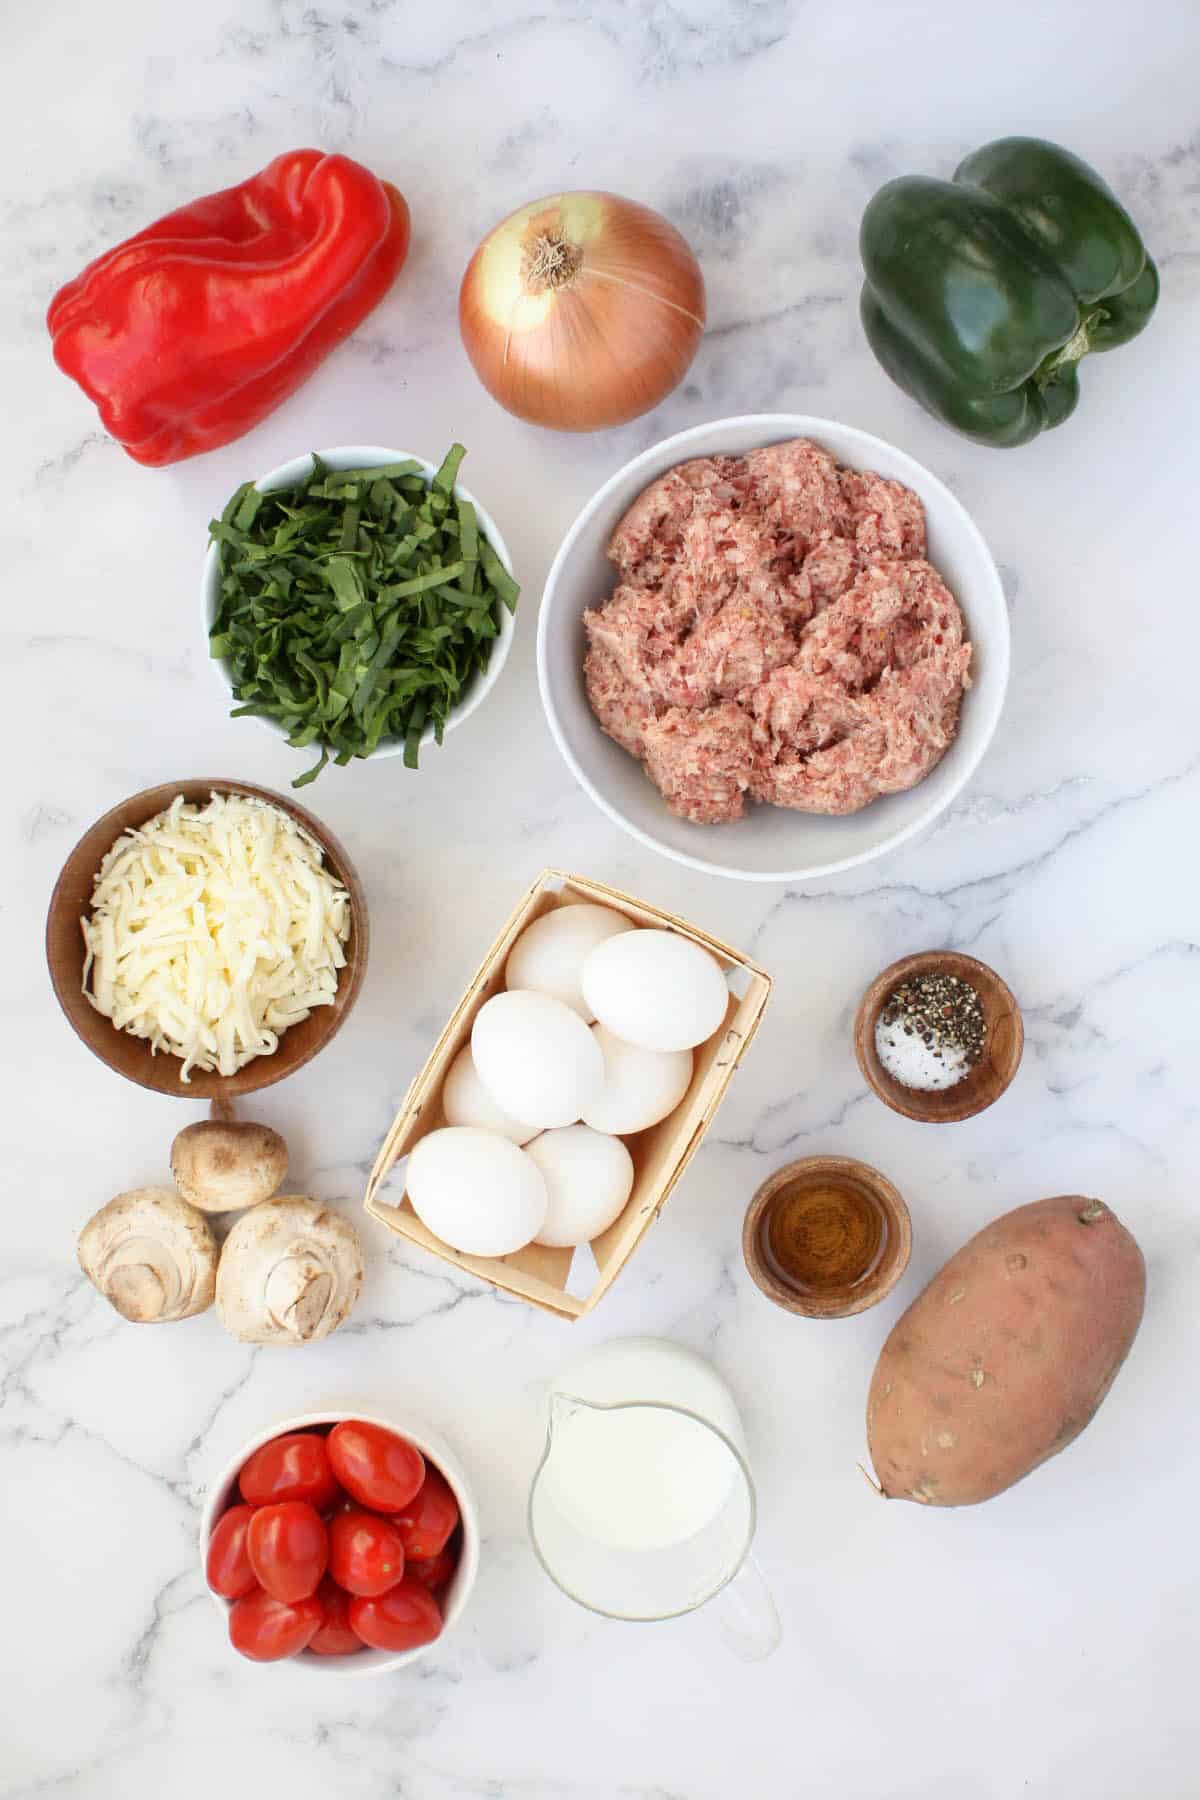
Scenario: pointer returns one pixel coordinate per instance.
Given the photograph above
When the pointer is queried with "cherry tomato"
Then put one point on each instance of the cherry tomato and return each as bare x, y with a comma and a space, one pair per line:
292, 1467
426, 1522
381, 1470
432, 1572
407, 1615
334, 1636
366, 1553
288, 1547
266, 1630
227, 1565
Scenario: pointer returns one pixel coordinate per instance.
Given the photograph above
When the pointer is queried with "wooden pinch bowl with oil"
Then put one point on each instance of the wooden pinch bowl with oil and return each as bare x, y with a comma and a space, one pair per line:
982, 1084
827, 1237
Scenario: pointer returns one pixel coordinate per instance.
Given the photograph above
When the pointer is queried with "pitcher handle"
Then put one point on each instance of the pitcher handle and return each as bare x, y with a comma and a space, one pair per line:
745, 1615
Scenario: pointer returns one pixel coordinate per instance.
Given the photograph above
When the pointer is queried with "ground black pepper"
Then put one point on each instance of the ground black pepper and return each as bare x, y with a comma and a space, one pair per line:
944, 1013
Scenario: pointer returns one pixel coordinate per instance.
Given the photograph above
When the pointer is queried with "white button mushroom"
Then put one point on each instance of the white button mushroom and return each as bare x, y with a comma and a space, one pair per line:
290, 1272
226, 1164
152, 1256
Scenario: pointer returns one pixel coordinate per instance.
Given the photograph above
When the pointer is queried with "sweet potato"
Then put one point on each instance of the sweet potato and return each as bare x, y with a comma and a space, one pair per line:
1006, 1355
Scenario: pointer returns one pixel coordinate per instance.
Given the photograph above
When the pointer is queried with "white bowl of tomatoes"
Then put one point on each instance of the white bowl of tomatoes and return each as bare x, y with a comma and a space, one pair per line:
340, 1542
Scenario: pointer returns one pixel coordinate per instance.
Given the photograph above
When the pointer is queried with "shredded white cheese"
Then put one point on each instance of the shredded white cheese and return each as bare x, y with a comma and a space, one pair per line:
212, 930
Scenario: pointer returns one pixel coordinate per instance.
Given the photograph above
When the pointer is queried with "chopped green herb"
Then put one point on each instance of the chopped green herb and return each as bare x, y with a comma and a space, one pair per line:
468, 531
247, 510
499, 577
447, 475
356, 608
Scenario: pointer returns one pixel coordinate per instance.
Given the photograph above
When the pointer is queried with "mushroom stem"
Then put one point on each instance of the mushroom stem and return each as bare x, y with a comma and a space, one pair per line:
298, 1296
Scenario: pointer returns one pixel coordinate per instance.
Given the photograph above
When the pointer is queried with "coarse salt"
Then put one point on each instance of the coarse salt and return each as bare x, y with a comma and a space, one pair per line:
907, 1058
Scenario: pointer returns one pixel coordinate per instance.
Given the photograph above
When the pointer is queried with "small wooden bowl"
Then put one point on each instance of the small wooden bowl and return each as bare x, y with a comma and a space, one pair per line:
840, 1302
991, 1074
131, 1056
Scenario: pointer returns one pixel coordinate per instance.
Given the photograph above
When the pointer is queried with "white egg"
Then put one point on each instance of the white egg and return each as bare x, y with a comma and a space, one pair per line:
655, 989
640, 1086
549, 954
588, 1177
536, 1058
476, 1191
465, 1101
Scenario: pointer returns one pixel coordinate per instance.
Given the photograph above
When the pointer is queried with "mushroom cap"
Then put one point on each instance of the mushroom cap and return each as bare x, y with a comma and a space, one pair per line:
224, 1165
152, 1256
290, 1272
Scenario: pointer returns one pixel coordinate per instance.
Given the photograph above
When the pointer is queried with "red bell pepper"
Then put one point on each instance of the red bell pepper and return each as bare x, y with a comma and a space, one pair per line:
188, 334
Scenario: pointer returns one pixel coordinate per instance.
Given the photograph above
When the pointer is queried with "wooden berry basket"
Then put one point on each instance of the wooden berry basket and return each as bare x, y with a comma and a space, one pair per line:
660, 1155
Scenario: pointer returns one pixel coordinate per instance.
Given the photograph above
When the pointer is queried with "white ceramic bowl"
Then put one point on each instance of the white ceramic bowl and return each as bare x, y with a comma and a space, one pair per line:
370, 456
435, 1449
770, 843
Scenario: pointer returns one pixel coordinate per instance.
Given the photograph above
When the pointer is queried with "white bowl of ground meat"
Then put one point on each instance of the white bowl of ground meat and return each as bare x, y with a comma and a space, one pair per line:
773, 647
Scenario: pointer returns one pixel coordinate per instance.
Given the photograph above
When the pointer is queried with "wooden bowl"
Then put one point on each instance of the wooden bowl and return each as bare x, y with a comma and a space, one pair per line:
859, 1181
131, 1056
991, 1074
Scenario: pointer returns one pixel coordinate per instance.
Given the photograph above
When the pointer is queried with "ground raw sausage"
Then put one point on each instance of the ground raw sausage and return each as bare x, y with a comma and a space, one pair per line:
776, 634
699, 757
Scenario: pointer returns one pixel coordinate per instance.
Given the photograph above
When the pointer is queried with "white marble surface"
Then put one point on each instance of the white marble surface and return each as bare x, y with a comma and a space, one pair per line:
1044, 1645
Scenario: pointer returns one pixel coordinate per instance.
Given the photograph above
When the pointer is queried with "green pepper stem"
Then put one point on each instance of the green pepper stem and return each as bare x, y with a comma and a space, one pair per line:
1075, 348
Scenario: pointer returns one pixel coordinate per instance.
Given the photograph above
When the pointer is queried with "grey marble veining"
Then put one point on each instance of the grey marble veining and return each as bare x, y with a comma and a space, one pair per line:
1042, 1646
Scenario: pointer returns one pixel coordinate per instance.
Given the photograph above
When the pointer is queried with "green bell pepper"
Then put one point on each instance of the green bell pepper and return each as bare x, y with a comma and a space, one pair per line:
983, 293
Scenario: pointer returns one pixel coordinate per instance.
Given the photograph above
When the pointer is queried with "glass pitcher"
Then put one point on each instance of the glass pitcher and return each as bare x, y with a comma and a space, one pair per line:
643, 1505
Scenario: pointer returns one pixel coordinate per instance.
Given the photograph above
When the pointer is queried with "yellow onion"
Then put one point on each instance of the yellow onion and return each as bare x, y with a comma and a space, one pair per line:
582, 310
